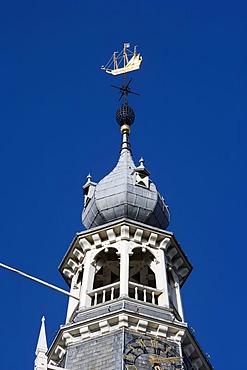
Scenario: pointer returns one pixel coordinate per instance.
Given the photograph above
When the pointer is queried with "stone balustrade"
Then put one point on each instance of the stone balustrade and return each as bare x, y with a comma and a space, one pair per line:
137, 291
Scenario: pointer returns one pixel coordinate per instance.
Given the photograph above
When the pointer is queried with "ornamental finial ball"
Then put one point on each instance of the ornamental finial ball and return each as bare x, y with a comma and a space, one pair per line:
125, 115
125, 128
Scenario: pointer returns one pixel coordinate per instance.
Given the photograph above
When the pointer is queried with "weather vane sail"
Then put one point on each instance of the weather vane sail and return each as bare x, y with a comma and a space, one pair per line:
125, 61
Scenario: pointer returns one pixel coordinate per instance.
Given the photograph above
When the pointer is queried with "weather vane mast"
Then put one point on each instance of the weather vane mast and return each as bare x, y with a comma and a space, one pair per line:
121, 63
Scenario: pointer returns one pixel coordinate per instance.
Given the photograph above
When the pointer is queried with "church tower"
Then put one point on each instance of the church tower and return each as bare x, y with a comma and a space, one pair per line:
125, 274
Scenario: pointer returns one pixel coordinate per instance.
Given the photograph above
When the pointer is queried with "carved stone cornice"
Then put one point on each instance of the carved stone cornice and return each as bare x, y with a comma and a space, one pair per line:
141, 235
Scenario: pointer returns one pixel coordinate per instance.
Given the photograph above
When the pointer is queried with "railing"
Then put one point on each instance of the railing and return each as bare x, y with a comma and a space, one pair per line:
104, 294
144, 293
137, 291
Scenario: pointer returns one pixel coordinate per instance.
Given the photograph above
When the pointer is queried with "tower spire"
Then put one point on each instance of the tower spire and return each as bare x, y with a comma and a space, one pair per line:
127, 272
41, 349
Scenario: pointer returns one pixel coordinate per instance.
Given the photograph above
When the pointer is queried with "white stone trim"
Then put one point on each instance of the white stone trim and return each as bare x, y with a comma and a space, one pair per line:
111, 236
152, 239
138, 236
85, 245
104, 327
142, 326
60, 351
79, 255
125, 232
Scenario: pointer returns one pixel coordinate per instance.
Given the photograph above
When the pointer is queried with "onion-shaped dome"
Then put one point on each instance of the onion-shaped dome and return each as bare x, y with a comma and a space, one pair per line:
126, 192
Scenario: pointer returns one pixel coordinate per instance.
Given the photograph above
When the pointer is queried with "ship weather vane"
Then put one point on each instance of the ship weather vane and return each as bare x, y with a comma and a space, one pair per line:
121, 63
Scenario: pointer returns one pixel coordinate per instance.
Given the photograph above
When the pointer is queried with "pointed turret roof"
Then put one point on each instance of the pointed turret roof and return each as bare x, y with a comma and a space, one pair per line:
42, 342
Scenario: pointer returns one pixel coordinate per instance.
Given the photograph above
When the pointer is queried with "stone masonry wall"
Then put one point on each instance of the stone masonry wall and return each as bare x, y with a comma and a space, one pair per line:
104, 352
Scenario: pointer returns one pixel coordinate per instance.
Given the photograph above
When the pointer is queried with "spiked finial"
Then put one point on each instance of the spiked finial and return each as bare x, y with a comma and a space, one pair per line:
141, 161
89, 178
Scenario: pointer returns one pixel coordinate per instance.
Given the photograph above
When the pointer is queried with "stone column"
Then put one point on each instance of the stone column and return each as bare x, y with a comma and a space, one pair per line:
178, 297
161, 274
124, 269
161, 279
73, 303
87, 281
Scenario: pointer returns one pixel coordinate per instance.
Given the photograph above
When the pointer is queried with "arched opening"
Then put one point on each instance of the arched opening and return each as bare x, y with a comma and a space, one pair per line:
107, 268
142, 277
107, 277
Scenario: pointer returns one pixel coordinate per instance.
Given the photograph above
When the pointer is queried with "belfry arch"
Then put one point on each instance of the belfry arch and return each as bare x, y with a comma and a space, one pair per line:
140, 270
107, 268
106, 278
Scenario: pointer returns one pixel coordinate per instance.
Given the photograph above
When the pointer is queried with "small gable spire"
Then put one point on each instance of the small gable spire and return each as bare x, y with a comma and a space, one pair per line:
41, 349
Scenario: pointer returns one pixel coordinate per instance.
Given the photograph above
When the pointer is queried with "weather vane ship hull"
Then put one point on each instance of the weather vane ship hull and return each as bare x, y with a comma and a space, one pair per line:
125, 61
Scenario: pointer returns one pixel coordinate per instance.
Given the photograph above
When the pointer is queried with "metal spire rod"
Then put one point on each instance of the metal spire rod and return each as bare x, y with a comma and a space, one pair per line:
124, 90
38, 281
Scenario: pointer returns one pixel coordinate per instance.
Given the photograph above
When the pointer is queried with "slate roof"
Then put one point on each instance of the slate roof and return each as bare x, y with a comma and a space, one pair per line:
120, 195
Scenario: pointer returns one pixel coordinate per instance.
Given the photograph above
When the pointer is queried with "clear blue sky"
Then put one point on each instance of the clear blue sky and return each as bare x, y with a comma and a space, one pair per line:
58, 123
